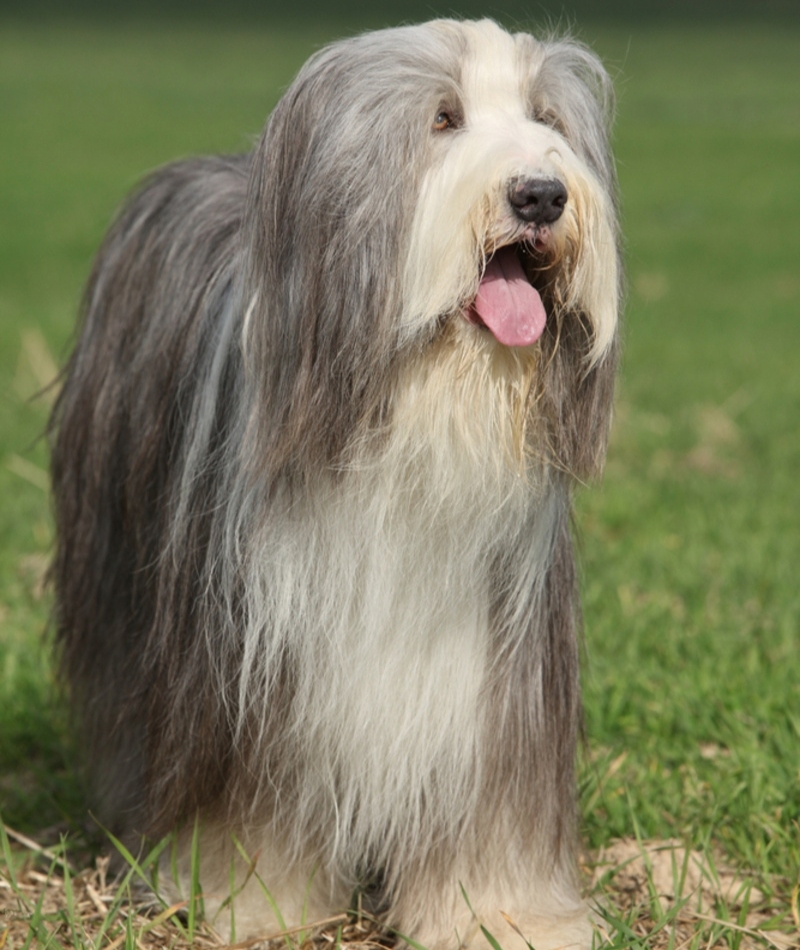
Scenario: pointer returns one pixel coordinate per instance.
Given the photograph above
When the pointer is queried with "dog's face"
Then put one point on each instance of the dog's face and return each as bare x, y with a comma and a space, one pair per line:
519, 191
447, 181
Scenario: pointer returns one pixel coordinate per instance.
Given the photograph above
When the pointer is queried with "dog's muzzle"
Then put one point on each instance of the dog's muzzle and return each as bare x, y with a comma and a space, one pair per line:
538, 201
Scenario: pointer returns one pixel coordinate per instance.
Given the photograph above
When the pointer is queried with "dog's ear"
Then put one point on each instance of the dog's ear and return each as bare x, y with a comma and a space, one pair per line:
576, 403
334, 179
572, 90
580, 349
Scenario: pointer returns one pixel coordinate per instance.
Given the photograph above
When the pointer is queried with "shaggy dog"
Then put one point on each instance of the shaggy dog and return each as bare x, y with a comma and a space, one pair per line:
313, 462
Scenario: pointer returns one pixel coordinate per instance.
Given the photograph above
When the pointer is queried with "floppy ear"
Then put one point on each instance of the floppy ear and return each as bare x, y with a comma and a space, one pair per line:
572, 87
581, 348
576, 404
334, 179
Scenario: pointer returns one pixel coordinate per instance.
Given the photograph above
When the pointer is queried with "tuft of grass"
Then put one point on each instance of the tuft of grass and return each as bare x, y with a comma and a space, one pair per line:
663, 895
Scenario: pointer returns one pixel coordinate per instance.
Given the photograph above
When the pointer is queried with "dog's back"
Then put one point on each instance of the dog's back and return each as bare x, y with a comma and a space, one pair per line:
121, 419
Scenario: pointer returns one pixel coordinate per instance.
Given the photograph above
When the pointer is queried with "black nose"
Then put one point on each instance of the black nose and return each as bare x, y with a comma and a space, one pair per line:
538, 200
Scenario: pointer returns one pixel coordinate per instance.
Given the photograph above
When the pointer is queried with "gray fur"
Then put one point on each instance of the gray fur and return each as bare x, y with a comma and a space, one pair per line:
232, 487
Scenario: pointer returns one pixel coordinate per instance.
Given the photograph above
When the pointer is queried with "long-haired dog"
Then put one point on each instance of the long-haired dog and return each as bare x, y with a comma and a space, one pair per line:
313, 463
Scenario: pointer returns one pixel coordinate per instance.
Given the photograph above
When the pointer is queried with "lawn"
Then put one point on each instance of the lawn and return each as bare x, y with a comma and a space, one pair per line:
691, 545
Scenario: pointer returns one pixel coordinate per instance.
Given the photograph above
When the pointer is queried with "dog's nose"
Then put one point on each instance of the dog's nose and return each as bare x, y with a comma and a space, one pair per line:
538, 200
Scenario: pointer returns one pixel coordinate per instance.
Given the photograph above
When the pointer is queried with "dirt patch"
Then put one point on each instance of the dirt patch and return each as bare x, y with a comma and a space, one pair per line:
673, 897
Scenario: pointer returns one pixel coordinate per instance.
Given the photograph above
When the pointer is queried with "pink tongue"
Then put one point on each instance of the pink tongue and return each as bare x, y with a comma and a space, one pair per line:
506, 302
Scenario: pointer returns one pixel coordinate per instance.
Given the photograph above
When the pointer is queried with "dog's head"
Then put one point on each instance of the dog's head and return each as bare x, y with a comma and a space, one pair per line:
446, 192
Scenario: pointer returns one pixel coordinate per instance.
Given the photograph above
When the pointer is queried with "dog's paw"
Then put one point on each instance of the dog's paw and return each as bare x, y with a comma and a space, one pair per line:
513, 932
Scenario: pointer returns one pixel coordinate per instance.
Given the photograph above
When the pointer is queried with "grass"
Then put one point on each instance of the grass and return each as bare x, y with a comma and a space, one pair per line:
691, 546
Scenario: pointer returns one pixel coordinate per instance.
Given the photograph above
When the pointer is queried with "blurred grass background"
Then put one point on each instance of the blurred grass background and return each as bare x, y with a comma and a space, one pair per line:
691, 546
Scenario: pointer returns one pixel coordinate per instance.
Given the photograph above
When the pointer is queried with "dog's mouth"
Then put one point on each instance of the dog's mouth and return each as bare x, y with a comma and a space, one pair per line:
507, 303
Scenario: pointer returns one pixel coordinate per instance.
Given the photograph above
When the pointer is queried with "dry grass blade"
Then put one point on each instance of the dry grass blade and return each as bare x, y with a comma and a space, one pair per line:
288, 932
40, 359
780, 941
155, 922
34, 846
30, 472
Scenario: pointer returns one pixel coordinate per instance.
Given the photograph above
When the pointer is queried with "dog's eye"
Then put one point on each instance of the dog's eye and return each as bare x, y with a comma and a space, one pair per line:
444, 120
549, 118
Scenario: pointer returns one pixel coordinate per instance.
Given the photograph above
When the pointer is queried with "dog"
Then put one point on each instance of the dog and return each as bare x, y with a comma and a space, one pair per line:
313, 462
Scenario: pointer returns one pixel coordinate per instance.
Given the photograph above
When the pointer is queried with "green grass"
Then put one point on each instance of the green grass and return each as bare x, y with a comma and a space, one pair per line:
693, 543
691, 546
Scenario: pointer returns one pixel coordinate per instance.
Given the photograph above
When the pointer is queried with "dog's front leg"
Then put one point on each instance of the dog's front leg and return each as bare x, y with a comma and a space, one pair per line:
455, 909
249, 885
